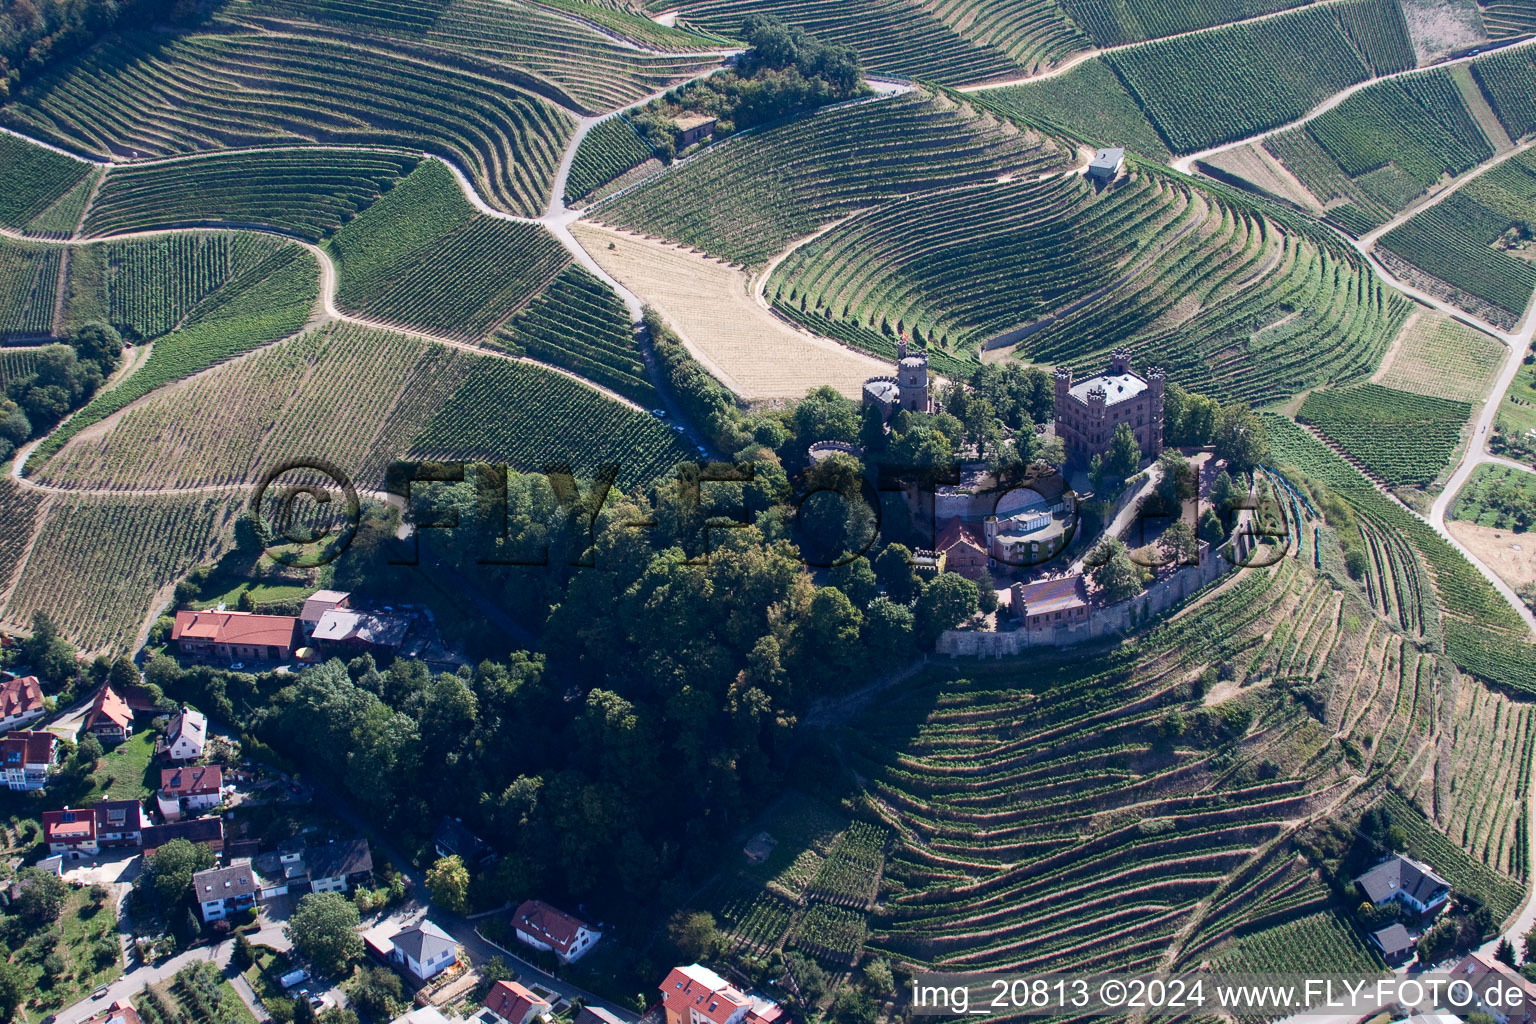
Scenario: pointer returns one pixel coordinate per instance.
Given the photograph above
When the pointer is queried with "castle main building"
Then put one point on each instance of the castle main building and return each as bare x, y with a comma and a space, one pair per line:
1088, 412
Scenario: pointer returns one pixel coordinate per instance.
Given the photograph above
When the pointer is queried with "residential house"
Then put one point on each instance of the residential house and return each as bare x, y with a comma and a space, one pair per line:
452, 839
120, 1012
1497, 990
224, 891
697, 995
1414, 885
21, 702
208, 831
235, 636
543, 927
339, 866
26, 758
119, 823
71, 832
189, 790
1396, 943
317, 604
357, 632
511, 1003
425, 951
186, 736
110, 719
963, 549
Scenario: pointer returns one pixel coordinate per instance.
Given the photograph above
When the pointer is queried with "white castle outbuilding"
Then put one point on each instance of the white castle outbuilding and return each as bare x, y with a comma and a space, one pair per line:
907, 390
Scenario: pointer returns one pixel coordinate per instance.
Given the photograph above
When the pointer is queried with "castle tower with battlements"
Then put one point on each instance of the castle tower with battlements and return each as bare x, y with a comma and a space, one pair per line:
908, 389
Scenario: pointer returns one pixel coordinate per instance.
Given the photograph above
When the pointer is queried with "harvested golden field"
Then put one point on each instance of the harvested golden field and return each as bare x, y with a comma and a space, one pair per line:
711, 307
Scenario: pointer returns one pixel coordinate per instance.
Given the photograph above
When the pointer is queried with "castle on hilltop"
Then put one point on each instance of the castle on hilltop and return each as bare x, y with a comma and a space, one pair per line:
908, 390
1088, 411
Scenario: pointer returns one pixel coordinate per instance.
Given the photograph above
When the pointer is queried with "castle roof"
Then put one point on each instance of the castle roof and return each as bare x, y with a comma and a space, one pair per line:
1117, 387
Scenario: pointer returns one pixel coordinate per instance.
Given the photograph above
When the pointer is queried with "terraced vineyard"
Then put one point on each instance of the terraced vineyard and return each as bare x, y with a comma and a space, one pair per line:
29, 285
611, 149
423, 257
1403, 438
308, 193
1454, 242
891, 36
100, 564
1505, 20
144, 96
1384, 146
355, 395
580, 324
1089, 103
40, 189
528, 418
1232, 302
746, 201
575, 65
1110, 23
1482, 633
1039, 821
1213, 87
268, 302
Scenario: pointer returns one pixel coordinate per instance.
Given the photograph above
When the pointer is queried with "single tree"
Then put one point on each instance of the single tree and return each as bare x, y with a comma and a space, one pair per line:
448, 882
1124, 454
323, 928
945, 603
694, 935
1119, 578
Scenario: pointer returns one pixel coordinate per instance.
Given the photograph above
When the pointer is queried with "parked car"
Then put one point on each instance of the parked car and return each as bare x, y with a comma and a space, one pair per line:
100, 993
660, 414
292, 978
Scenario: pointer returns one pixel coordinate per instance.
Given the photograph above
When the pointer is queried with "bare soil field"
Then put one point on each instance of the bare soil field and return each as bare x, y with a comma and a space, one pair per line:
710, 305
1255, 165
1511, 555
1441, 26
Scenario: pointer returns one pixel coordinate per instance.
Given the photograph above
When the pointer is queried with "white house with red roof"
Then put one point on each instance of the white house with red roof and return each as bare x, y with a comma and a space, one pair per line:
189, 789
26, 758
110, 719
543, 927
21, 702
71, 832
511, 1003
697, 995
186, 736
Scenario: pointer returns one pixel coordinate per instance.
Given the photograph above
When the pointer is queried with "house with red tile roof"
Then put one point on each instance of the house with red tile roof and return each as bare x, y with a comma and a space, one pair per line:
511, 1003
697, 995
26, 758
235, 636
1048, 603
543, 927
189, 789
71, 832
21, 702
1499, 991
110, 719
963, 548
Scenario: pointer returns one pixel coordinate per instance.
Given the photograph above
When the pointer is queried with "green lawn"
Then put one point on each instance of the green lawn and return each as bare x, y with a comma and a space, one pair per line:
82, 930
125, 772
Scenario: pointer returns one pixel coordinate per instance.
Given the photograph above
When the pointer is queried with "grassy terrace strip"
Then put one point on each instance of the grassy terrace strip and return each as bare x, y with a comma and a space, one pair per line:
29, 284
1385, 146
526, 417
1231, 301
153, 96
33, 180
356, 395
1089, 102
1454, 240
579, 323
305, 192
610, 149
575, 65
892, 36
1402, 438
99, 594
1482, 633
1214, 87
1508, 79
423, 257
266, 303
745, 201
